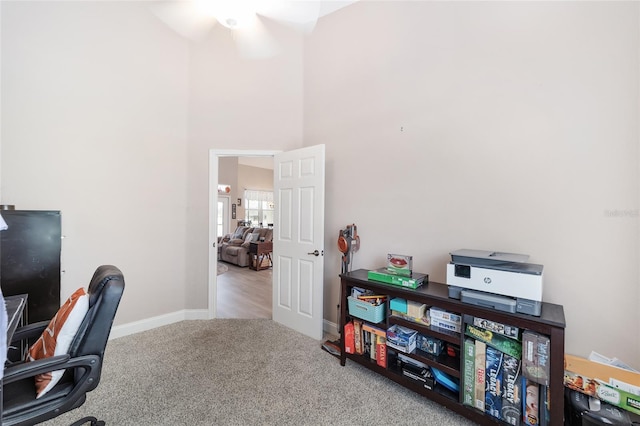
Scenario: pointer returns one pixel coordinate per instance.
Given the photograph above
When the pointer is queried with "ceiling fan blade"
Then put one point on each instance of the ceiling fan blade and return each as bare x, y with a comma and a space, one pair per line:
301, 15
255, 42
185, 18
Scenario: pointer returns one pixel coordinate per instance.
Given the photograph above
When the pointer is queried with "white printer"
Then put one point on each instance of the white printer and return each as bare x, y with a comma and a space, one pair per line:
502, 281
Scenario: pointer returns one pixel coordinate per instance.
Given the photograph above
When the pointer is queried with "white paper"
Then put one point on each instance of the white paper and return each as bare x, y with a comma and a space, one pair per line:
625, 386
614, 362
3, 224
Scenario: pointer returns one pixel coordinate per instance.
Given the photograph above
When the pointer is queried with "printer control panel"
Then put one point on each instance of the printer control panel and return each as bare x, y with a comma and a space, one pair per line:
462, 271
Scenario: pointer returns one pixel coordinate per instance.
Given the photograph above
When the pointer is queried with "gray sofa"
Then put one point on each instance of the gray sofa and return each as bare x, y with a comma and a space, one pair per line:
234, 247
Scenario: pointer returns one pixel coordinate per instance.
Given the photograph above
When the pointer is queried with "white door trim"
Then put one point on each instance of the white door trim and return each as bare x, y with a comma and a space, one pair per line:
214, 155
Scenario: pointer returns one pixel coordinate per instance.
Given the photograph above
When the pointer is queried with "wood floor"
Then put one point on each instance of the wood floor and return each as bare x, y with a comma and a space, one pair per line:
244, 293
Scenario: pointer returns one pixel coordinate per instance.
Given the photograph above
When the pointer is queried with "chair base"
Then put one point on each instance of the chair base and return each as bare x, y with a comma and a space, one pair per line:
92, 421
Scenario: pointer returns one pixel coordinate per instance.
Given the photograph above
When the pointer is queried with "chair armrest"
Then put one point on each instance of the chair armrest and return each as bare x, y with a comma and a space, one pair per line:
29, 331
30, 369
59, 362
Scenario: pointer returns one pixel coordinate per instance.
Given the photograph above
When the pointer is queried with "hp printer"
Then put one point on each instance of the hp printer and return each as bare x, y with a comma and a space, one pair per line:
502, 281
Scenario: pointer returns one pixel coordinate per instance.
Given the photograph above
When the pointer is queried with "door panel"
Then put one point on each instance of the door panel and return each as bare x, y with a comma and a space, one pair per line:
299, 233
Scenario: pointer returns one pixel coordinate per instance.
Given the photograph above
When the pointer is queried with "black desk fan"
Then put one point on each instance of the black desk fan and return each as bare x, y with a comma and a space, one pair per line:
348, 243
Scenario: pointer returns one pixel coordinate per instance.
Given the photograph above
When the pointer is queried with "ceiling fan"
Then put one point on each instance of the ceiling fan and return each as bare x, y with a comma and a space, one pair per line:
194, 19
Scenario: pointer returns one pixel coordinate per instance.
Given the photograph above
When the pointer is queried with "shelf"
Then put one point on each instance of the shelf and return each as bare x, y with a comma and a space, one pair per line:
427, 330
396, 375
550, 323
367, 362
443, 362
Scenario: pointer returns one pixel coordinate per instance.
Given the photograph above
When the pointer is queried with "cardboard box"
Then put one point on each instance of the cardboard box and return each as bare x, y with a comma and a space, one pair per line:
381, 351
498, 341
530, 402
400, 264
535, 357
496, 327
447, 325
592, 378
415, 309
421, 376
468, 375
493, 380
384, 276
441, 314
401, 338
423, 321
398, 304
479, 367
357, 337
349, 340
511, 390
374, 330
429, 344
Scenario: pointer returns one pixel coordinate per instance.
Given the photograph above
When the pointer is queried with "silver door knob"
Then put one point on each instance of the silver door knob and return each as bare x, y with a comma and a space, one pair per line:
315, 253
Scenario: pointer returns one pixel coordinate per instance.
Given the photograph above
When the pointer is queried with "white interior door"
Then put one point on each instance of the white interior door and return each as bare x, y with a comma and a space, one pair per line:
298, 240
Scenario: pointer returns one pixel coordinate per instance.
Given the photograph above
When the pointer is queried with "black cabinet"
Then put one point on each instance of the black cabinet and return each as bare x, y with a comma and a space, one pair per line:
30, 260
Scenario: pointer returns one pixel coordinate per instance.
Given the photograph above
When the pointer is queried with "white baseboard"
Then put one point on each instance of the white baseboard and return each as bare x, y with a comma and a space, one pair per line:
183, 315
330, 328
159, 321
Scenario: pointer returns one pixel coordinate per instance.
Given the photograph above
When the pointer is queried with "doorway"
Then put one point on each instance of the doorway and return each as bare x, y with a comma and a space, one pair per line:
214, 171
298, 238
242, 292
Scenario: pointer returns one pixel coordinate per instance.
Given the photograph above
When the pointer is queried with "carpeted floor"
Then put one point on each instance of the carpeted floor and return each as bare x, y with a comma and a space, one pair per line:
244, 372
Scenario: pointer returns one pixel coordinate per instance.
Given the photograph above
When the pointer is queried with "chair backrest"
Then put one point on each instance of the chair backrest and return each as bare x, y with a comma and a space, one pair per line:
105, 291
87, 353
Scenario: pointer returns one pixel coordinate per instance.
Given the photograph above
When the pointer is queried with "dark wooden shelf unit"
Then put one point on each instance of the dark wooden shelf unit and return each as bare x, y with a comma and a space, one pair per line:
551, 323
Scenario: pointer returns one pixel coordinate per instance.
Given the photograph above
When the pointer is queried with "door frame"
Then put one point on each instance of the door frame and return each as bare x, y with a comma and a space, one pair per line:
214, 156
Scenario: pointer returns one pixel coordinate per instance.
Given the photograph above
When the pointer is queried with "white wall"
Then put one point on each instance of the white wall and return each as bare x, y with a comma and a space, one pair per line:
102, 101
238, 104
508, 126
228, 174
519, 133
94, 123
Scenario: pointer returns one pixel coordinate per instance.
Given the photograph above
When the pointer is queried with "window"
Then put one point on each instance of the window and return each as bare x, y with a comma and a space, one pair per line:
223, 216
258, 207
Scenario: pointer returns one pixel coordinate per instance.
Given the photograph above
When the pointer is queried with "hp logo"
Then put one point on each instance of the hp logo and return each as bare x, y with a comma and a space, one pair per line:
487, 280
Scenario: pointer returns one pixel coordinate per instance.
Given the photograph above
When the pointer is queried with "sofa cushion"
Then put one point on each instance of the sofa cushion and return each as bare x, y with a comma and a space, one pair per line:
252, 237
247, 232
239, 233
233, 250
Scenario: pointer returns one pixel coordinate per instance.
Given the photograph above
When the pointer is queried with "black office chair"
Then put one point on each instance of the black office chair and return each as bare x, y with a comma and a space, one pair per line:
83, 363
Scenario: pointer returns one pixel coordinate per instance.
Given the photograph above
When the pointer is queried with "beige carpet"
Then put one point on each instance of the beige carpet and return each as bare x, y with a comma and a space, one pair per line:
244, 372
